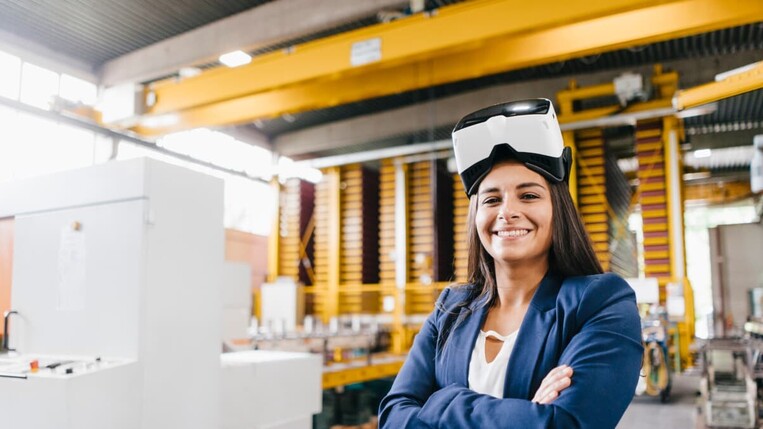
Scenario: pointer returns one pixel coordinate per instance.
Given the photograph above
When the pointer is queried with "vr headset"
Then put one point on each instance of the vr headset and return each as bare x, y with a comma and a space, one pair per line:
525, 130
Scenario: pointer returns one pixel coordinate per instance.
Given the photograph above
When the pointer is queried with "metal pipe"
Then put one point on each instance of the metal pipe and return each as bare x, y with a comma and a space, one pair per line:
436, 146
118, 135
373, 155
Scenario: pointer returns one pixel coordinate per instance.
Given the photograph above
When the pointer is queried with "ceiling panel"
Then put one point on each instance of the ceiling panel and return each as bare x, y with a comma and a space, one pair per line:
96, 31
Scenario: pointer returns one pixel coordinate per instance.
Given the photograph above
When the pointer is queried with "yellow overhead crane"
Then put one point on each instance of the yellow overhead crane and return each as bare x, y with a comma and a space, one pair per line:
329, 290
660, 190
453, 43
584, 33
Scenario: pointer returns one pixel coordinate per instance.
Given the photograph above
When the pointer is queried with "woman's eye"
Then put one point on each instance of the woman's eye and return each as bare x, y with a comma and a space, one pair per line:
529, 196
489, 200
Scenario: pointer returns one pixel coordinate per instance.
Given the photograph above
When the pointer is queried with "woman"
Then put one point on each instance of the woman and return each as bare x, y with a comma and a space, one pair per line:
539, 337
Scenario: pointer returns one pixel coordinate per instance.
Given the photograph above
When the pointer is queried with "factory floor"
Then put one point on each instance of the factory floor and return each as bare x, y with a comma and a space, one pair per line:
679, 412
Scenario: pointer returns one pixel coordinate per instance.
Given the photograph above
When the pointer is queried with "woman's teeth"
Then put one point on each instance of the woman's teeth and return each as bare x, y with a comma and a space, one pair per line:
513, 233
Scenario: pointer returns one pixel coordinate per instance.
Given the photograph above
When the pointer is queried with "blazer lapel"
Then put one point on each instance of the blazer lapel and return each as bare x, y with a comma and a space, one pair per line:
531, 340
462, 343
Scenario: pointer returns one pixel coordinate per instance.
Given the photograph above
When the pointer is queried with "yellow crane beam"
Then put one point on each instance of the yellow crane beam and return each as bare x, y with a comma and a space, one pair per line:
460, 42
746, 79
417, 37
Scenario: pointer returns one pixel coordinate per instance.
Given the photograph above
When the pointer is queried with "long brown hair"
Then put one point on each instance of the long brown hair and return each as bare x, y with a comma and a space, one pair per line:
571, 252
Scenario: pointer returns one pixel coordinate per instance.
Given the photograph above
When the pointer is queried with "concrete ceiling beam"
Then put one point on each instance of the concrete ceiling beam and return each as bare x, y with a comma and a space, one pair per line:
268, 24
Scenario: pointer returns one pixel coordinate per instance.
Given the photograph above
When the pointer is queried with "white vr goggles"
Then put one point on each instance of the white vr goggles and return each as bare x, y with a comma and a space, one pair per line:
525, 130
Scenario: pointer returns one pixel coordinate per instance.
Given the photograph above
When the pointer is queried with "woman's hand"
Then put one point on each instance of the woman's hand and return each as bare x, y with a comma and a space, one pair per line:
557, 380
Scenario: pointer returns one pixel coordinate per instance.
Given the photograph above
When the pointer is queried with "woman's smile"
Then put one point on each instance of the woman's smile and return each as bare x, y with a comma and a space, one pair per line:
514, 214
512, 234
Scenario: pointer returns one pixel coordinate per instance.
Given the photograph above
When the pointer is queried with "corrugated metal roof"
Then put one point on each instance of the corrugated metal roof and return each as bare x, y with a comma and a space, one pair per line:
96, 31
743, 111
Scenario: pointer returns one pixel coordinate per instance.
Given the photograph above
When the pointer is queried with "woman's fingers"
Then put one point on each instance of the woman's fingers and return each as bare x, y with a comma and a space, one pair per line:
557, 380
555, 389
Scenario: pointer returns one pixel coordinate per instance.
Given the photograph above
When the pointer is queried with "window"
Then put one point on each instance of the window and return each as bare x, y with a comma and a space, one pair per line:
78, 90
222, 150
38, 85
33, 146
10, 76
249, 205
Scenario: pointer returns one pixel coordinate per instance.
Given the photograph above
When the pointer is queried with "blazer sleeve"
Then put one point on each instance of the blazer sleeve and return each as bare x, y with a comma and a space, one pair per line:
605, 356
416, 381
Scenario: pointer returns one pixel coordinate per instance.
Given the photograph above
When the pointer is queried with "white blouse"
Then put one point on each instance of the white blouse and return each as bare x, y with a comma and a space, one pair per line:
489, 377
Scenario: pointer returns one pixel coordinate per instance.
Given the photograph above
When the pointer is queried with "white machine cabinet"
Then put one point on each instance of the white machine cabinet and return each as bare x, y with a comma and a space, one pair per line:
270, 390
114, 274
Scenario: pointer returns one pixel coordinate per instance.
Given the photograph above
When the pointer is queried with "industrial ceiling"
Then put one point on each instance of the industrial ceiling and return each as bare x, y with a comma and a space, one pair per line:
102, 33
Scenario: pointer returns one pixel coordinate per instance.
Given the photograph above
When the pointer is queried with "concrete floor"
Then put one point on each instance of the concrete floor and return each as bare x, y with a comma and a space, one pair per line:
679, 412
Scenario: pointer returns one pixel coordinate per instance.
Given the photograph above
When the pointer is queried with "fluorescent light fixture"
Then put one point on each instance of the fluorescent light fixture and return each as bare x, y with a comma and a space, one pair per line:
727, 74
705, 109
186, 72
235, 58
703, 153
161, 121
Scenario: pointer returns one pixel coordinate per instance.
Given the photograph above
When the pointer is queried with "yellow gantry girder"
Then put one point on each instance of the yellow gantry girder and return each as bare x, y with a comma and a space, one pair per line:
746, 79
458, 42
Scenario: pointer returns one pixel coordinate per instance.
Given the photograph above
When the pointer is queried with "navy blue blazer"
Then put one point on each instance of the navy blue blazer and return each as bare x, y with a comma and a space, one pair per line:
590, 323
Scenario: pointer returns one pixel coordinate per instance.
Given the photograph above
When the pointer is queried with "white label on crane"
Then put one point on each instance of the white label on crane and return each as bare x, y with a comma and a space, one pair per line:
366, 51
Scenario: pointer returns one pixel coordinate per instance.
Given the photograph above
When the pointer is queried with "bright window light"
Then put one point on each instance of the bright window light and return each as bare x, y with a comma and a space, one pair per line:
78, 90
117, 103
703, 153
10, 76
8, 117
288, 169
235, 58
249, 206
33, 146
222, 150
38, 85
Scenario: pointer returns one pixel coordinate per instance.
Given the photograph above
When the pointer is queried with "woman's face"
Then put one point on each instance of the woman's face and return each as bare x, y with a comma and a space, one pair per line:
513, 217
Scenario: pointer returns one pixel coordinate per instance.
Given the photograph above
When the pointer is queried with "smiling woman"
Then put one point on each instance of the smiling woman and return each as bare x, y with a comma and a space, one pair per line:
513, 215
538, 337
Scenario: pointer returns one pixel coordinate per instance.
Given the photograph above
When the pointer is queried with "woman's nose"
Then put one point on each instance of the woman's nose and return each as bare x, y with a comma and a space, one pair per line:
508, 210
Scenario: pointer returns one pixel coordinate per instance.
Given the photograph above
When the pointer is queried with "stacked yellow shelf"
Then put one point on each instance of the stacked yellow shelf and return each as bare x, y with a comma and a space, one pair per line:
653, 199
592, 198
288, 258
387, 222
321, 235
359, 189
351, 222
421, 236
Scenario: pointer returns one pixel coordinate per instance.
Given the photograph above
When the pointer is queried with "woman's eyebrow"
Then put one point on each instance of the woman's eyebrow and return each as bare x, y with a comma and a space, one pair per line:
488, 190
529, 185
